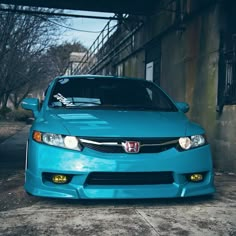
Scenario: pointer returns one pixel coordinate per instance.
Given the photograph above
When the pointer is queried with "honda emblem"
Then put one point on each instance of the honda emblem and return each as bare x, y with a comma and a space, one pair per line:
131, 146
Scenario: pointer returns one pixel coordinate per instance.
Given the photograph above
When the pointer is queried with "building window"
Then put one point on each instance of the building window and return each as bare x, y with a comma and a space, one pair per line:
227, 74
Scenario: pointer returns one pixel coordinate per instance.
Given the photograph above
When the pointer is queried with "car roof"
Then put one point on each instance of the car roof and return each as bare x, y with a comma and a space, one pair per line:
95, 76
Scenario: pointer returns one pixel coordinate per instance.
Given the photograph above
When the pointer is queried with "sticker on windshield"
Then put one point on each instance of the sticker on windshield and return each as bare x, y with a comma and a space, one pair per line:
63, 81
63, 100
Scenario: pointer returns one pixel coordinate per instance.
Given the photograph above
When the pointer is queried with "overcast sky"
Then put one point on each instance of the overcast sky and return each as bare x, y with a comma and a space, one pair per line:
85, 24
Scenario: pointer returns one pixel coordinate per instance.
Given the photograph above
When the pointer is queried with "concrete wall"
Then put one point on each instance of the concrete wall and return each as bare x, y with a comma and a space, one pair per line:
190, 73
135, 65
224, 143
190, 69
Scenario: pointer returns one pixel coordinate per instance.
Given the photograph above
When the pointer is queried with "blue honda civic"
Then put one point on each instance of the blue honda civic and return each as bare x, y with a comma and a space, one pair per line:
108, 137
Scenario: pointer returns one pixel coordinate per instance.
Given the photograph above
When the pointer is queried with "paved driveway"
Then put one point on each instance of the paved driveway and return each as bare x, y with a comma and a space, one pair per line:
21, 214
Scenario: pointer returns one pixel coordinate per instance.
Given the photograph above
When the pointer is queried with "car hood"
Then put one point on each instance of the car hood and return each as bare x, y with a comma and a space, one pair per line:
113, 123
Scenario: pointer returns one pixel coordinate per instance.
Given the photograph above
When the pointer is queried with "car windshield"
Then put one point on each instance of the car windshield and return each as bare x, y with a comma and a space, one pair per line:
108, 93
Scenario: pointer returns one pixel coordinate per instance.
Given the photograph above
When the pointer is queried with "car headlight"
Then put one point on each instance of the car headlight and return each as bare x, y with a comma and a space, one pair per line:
192, 141
58, 140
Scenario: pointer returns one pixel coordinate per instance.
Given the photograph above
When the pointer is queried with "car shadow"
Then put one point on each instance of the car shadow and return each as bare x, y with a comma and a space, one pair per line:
123, 203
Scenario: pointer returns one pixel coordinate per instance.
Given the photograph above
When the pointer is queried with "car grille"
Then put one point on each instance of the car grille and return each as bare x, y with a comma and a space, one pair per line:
129, 178
115, 145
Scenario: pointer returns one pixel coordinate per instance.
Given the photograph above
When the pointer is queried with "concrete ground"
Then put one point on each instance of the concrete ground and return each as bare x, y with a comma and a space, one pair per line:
21, 214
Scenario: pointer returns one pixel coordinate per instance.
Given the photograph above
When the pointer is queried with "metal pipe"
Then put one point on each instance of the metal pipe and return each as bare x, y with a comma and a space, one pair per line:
29, 12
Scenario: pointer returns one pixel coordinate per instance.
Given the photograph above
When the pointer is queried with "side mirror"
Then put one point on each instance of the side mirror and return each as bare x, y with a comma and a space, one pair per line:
182, 106
31, 104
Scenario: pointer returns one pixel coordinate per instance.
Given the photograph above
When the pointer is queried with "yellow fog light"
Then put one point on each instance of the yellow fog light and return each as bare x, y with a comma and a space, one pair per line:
59, 179
196, 177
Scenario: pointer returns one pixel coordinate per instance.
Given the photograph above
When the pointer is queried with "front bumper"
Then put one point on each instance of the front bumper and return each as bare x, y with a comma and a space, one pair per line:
47, 159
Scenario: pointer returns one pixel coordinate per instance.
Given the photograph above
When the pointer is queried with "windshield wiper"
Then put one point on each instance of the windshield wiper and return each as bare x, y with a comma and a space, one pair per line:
83, 104
75, 105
